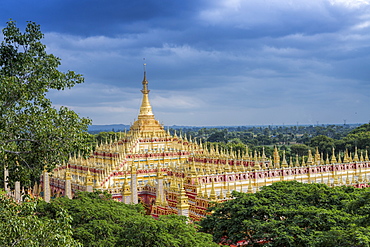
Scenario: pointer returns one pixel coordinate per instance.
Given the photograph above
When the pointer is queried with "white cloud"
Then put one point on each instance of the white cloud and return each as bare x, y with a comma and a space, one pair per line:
351, 3
174, 100
362, 25
283, 51
183, 52
246, 14
58, 40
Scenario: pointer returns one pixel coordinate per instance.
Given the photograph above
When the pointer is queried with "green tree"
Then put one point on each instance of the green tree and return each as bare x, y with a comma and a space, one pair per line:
360, 140
20, 225
171, 230
358, 137
350, 236
361, 129
33, 134
323, 143
218, 136
300, 149
100, 221
291, 214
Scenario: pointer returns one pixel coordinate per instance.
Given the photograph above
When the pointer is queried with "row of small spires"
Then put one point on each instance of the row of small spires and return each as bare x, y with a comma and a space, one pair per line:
177, 186
199, 150
317, 159
114, 147
214, 151
190, 169
135, 134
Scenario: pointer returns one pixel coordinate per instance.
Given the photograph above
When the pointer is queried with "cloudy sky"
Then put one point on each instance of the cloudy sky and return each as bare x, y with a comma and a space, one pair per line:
210, 62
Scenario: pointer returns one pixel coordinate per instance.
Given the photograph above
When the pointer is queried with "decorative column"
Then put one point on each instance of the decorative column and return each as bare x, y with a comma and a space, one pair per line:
46, 186
17, 191
6, 175
160, 191
134, 196
68, 185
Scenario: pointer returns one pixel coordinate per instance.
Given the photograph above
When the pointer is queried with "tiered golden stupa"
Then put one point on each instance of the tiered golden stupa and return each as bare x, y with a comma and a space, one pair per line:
173, 174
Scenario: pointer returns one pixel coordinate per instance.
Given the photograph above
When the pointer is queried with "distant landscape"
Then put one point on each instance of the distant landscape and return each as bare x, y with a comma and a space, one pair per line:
95, 129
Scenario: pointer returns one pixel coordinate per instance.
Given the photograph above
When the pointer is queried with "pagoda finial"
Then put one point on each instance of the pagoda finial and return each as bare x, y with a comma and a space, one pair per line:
322, 159
339, 158
126, 190
182, 199
89, 178
68, 173
327, 162
228, 194
310, 158
221, 195
193, 169
317, 157
355, 158
263, 154
159, 172
250, 188
276, 158
213, 196
345, 157
297, 160
333, 159
145, 82
285, 163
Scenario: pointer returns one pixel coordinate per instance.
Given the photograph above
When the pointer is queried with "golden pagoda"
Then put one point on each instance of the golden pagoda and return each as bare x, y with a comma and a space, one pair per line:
170, 174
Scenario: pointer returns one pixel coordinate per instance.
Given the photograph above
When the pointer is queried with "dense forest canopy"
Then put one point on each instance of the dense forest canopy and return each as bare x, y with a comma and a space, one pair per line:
97, 220
293, 214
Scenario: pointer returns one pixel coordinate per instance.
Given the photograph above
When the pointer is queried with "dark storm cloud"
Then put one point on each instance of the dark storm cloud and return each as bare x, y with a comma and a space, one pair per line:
97, 17
252, 62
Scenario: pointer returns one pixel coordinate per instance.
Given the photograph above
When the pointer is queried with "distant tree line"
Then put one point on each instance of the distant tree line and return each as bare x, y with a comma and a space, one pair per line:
291, 139
270, 135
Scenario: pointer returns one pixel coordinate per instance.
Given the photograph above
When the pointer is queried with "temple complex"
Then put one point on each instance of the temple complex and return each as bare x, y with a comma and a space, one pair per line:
174, 174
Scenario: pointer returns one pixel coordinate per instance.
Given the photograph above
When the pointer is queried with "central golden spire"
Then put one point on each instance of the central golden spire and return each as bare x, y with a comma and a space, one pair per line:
146, 108
146, 121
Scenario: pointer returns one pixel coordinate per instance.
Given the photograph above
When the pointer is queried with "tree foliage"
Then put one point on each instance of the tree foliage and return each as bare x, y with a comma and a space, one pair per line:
100, 221
300, 149
293, 214
359, 137
34, 134
268, 135
20, 225
323, 143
